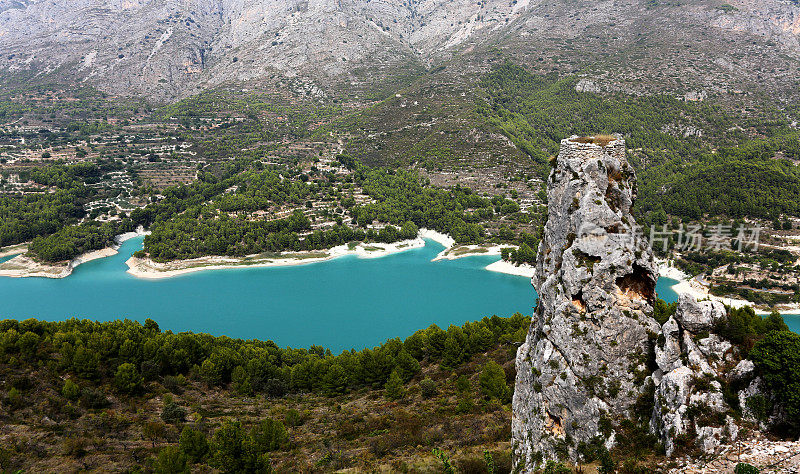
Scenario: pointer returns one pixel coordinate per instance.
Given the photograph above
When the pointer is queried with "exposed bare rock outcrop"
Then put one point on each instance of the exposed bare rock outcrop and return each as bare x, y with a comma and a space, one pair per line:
595, 355
585, 358
705, 392
689, 404
164, 49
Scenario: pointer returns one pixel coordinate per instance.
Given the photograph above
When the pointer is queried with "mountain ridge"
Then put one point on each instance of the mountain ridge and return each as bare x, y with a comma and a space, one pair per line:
165, 51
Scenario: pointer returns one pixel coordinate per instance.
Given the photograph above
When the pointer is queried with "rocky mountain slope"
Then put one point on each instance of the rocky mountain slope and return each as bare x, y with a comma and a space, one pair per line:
167, 49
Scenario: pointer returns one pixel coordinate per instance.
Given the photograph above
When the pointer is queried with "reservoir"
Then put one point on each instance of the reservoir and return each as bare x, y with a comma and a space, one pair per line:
341, 304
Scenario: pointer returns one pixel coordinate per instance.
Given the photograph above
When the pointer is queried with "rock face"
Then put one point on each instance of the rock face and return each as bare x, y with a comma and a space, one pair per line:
165, 49
585, 358
594, 350
691, 361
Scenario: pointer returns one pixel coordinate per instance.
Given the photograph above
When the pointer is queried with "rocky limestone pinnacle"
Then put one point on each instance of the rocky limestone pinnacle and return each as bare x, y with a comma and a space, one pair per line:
584, 362
692, 361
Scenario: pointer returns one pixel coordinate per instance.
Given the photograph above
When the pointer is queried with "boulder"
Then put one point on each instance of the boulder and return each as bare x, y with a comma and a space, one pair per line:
668, 347
743, 370
697, 316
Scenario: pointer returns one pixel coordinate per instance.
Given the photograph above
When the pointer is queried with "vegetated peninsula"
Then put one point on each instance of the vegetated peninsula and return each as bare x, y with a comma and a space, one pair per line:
257, 214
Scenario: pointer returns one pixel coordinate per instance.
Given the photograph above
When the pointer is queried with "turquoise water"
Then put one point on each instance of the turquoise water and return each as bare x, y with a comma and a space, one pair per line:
664, 289
7, 258
342, 303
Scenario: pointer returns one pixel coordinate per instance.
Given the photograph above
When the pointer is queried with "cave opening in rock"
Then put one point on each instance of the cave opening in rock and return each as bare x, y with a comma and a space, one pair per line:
578, 302
638, 284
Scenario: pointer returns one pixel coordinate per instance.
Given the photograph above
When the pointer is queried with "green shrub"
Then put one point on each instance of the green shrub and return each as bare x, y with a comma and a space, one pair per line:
465, 405
234, 451
269, 435
15, 398
75, 446
759, 406
493, 382
394, 387
744, 468
127, 379
174, 384
293, 418
552, 467
447, 465
173, 413
662, 310
70, 391
93, 398
743, 326
171, 460
193, 443
462, 384
428, 387
777, 359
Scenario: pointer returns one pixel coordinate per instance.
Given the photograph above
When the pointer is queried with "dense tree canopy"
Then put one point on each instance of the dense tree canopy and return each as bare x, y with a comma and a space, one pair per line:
777, 357
127, 350
71, 241
23, 218
744, 181
691, 158
537, 112
221, 222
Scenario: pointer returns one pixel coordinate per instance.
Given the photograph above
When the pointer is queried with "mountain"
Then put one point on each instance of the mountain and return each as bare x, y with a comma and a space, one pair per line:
166, 50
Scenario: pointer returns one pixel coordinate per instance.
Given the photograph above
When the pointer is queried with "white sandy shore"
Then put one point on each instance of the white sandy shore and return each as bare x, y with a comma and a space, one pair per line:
461, 251
129, 235
442, 239
665, 269
453, 252
13, 249
23, 266
692, 286
146, 268
502, 266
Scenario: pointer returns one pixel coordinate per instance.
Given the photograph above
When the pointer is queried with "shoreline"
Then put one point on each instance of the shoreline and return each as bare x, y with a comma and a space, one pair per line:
148, 269
501, 266
692, 286
14, 249
471, 250
22, 266
666, 269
